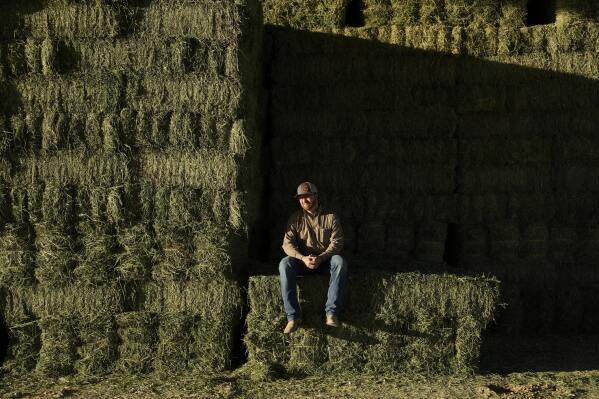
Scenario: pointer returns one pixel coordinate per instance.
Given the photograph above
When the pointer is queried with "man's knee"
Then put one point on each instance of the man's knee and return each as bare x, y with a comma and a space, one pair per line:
286, 265
339, 264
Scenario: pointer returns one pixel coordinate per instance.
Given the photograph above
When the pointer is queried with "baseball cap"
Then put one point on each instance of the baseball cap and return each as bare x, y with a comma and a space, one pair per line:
306, 188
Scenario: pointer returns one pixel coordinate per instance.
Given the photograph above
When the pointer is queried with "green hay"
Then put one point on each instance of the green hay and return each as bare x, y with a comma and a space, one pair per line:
200, 169
137, 331
58, 206
471, 12
48, 56
99, 345
134, 263
33, 55
175, 260
97, 266
430, 37
73, 21
376, 12
212, 253
432, 11
407, 330
513, 13
219, 22
75, 168
183, 130
16, 257
23, 334
56, 256
58, 349
191, 92
72, 94
304, 14
174, 336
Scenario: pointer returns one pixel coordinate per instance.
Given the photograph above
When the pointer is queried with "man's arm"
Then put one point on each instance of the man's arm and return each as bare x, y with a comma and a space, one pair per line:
336, 244
290, 240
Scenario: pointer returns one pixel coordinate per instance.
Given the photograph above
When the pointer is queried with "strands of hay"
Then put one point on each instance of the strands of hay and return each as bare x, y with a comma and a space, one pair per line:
58, 350
16, 257
23, 351
176, 255
200, 169
97, 264
138, 334
212, 253
58, 206
75, 168
72, 94
218, 22
172, 354
304, 14
426, 332
198, 92
572, 11
73, 21
99, 345
56, 256
138, 255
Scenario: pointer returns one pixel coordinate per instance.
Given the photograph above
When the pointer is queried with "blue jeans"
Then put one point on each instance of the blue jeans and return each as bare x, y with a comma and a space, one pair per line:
290, 267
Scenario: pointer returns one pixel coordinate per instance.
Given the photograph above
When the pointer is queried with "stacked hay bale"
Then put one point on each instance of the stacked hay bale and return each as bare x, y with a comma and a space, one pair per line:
408, 322
126, 181
514, 104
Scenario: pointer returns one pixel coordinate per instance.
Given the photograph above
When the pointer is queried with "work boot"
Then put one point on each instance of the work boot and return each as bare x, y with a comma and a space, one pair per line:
332, 321
292, 326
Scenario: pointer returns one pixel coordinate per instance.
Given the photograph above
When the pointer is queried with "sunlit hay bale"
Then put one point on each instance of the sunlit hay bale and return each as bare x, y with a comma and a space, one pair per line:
56, 256
172, 354
23, 334
138, 334
471, 12
428, 37
97, 266
73, 21
304, 14
432, 11
176, 254
199, 169
215, 310
135, 262
58, 205
575, 11
183, 130
480, 40
93, 131
33, 55
213, 252
77, 168
405, 12
71, 94
99, 345
16, 257
58, 346
512, 14
376, 12
414, 328
158, 55
504, 239
48, 56
195, 92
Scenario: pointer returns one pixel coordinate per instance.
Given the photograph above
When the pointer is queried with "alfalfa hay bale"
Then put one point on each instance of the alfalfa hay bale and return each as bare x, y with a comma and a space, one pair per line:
471, 12
23, 334
17, 257
172, 354
139, 253
56, 256
58, 350
405, 320
138, 334
97, 265
304, 14
99, 344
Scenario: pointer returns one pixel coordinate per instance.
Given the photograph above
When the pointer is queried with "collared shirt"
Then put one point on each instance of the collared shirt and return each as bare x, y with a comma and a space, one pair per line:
320, 235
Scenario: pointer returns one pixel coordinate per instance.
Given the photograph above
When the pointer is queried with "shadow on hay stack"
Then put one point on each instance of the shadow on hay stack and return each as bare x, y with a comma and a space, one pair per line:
126, 184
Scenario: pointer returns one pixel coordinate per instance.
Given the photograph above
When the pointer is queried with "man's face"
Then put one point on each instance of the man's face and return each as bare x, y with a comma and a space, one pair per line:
309, 202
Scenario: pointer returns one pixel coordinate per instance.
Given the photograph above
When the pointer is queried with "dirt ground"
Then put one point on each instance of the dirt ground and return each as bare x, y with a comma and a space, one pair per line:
549, 368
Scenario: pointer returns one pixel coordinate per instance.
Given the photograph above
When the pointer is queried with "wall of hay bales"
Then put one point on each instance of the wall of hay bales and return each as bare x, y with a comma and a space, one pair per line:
127, 187
446, 129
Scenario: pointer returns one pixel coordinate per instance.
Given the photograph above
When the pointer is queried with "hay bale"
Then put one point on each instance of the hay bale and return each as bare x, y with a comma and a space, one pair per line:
432, 11
512, 13
97, 266
404, 321
172, 354
23, 334
58, 206
436, 37
138, 255
73, 21
98, 350
13, 58
58, 346
405, 12
70, 94
471, 12
175, 257
16, 257
56, 256
138, 334
304, 14
574, 11
376, 12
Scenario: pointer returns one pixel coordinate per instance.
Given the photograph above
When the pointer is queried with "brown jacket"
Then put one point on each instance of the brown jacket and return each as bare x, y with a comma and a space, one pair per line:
320, 235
